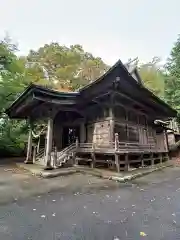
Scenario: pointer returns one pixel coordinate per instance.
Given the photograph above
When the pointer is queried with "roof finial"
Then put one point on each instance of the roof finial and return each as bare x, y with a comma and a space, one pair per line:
132, 61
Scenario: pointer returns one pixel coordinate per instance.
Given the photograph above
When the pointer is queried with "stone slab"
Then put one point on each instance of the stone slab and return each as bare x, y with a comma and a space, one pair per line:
123, 176
38, 171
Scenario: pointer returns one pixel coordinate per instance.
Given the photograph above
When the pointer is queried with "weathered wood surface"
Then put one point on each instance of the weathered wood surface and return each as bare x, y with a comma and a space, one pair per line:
123, 147
139, 129
49, 143
99, 132
29, 147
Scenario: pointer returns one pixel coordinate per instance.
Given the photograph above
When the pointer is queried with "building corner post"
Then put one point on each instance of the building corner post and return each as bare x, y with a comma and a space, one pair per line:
29, 159
48, 150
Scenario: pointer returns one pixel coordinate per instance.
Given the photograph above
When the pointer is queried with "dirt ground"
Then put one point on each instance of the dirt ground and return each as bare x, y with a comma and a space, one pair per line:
17, 183
146, 208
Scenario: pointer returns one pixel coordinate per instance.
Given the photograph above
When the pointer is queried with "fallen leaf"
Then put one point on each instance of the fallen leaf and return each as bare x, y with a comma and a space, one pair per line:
53, 214
143, 234
43, 216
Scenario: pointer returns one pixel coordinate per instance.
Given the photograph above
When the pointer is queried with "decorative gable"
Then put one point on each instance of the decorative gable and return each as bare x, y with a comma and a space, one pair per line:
132, 68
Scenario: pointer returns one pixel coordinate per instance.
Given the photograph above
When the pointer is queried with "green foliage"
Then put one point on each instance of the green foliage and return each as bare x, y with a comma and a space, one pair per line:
60, 67
67, 66
153, 77
11, 83
172, 81
12, 137
53, 66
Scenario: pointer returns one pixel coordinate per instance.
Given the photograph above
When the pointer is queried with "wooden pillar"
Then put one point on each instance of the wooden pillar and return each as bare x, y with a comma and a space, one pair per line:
34, 154
111, 128
116, 156
82, 132
55, 157
116, 142
93, 157
117, 162
38, 146
93, 160
126, 162
29, 147
142, 161
152, 159
74, 154
111, 122
77, 143
167, 156
49, 144
166, 141
60, 139
161, 158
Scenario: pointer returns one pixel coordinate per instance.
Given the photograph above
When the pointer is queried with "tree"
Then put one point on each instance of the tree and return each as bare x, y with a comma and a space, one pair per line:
172, 81
67, 66
153, 76
11, 83
54, 66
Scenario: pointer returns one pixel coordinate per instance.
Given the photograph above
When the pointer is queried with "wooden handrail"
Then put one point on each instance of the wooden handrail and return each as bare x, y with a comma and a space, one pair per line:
40, 153
63, 155
121, 145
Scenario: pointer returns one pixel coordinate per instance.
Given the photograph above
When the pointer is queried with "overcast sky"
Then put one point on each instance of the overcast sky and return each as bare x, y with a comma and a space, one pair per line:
116, 29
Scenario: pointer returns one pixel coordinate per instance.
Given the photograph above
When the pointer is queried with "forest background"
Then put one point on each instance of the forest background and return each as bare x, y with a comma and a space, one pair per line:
67, 68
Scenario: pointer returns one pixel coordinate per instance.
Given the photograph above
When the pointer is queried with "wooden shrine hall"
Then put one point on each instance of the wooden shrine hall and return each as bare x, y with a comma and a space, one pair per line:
113, 122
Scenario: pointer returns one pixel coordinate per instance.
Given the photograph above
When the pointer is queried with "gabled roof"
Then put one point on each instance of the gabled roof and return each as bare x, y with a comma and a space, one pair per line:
33, 91
129, 76
135, 85
132, 67
101, 77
